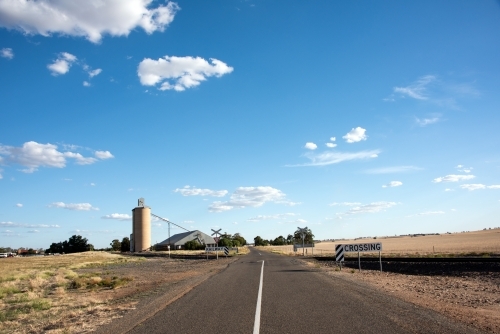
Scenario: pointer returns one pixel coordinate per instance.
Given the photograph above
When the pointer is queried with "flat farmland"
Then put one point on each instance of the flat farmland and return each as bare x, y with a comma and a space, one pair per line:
476, 242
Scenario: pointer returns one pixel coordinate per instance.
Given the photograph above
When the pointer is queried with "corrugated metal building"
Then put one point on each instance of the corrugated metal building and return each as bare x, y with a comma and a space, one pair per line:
178, 241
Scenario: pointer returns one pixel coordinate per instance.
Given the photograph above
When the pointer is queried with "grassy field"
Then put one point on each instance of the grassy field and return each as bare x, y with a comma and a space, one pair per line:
467, 243
45, 294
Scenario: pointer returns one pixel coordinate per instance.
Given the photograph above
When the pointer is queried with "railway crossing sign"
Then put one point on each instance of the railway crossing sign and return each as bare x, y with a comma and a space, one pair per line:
340, 249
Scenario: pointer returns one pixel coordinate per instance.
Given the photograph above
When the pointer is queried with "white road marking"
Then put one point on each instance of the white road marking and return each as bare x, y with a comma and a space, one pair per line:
260, 254
256, 324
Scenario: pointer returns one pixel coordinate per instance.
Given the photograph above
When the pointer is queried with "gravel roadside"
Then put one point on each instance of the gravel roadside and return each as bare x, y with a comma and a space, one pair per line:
469, 293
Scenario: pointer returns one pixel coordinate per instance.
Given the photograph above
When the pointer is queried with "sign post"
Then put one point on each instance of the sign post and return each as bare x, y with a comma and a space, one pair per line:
216, 233
360, 248
302, 232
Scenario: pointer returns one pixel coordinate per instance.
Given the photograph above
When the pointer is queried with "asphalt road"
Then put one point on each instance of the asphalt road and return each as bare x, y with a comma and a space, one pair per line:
295, 299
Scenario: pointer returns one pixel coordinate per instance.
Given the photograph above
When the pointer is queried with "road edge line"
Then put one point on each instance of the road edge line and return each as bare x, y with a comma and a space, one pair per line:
256, 324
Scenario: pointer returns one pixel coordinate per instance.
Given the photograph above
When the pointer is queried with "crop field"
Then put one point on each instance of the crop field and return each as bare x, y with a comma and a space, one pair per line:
486, 242
46, 294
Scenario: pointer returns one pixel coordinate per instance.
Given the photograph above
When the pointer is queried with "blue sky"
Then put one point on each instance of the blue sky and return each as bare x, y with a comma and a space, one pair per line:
352, 118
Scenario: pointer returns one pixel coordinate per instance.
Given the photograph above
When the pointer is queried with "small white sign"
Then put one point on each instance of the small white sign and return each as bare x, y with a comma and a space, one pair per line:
372, 247
214, 249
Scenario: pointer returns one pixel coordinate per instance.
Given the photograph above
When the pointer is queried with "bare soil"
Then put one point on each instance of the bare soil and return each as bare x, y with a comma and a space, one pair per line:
88, 292
469, 293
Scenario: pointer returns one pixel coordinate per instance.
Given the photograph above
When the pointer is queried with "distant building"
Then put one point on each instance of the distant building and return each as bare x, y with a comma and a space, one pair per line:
178, 241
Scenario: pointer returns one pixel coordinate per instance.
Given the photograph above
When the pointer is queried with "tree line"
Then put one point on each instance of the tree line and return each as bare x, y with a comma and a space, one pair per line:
296, 238
75, 244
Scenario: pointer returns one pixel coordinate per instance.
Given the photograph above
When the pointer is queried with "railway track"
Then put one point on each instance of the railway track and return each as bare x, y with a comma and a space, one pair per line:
415, 259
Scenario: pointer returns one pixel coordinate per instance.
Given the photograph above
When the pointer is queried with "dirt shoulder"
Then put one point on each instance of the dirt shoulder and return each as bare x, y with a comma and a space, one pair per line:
157, 283
465, 292
94, 291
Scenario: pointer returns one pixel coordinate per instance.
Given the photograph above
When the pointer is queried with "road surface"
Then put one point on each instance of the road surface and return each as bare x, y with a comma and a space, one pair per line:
269, 293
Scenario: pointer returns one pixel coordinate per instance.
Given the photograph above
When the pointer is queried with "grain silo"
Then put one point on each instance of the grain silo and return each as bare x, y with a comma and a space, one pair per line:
141, 228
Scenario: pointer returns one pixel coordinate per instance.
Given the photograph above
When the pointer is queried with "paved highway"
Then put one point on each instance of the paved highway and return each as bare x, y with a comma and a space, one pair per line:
285, 296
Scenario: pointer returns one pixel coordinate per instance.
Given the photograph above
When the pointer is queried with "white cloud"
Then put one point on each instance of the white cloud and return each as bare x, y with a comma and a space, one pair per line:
474, 186
74, 206
393, 184
80, 159
329, 158
179, 73
191, 191
333, 138
271, 217
7, 53
418, 89
1, 170
33, 231
393, 170
92, 184
345, 204
118, 216
33, 155
93, 73
299, 221
331, 145
11, 224
89, 19
448, 189
453, 178
19, 205
288, 203
62, 64
477, 186
463, 169
355, 135
368, 208
86, 84
244, 197
103, 155
427, 121
310, 146
427, 213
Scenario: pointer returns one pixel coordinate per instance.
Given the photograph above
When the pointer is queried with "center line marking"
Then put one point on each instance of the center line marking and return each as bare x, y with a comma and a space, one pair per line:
256, 324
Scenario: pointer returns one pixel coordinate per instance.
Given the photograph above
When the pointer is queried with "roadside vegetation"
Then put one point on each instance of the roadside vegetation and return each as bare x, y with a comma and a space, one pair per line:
51, 293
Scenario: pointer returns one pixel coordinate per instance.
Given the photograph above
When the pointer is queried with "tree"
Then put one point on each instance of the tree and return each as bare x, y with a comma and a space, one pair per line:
258, 241
238, 240
75, 244
116, 245
55, 248
193, 245
309, 237
225, 240
279, 241
125, 246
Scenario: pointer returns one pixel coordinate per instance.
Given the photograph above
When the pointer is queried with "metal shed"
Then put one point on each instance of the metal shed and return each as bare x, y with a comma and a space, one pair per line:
177, 241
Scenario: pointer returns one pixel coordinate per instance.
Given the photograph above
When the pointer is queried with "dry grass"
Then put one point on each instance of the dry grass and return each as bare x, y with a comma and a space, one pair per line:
469, 243
46, 294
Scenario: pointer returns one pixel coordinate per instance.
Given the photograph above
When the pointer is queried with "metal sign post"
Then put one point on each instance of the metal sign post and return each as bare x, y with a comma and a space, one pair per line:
216, 233
359, 262
302, 232
380, 260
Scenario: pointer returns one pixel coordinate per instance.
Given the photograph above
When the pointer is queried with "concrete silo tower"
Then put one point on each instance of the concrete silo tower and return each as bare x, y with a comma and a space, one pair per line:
140, 239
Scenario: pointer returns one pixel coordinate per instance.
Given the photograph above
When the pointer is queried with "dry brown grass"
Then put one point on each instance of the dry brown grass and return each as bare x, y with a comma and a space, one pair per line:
46, 294
467, 243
